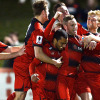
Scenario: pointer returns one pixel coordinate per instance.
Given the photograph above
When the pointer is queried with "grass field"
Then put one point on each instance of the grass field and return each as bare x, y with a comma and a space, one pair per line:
14, 17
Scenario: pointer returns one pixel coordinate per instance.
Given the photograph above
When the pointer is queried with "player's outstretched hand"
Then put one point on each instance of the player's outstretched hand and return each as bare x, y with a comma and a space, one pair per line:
35, 78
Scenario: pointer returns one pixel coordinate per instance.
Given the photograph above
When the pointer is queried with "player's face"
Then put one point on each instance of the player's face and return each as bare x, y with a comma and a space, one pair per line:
61, 43
64, 10
72, 27
92, 22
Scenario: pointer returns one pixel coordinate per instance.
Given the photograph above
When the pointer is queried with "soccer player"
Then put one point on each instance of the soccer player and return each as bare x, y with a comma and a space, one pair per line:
10, 52
45, 87
62, 8
68, 73
91, 58
33, 44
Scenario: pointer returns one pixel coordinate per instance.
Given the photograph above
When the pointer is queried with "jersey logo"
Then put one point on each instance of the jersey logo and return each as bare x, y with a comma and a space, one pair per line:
39, 39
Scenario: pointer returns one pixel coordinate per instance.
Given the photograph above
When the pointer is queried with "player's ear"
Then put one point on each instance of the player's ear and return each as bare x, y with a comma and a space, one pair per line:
65, 27
43, 12
54, 40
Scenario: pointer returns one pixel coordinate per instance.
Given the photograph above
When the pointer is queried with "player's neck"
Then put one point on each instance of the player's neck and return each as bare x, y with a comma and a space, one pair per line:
93, 30
39, 18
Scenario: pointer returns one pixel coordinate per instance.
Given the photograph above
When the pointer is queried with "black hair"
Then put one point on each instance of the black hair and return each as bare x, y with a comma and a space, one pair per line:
57, 6
60, 33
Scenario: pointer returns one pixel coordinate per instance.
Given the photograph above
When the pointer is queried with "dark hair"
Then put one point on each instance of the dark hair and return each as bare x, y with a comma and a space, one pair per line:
14, 33
39, 6
60, 33
67, 18
57, 6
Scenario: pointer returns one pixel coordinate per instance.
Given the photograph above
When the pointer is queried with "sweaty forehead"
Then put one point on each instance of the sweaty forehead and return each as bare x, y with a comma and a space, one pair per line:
73, 21
62, 8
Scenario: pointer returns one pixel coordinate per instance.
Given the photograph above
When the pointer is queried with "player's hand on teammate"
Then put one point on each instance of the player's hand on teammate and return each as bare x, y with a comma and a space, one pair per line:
86, 40
88, 43
21, 51
58, 62
57, 14
35, 78
92, 45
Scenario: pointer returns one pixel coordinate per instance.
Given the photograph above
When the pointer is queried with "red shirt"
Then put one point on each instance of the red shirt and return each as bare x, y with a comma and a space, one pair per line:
50, 51
34, 37
3, 46
91, 59
73, 55
48, 72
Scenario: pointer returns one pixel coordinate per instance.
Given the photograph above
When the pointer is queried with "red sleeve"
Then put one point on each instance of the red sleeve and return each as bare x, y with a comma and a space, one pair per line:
32, 66
37, 38
50, 37
47, 31
3, 46
81, 30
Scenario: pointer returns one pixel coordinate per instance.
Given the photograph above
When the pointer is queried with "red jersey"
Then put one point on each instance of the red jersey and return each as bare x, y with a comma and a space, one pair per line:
34, 37
81, 30
3, 47
74, 53
48, 72
91, 59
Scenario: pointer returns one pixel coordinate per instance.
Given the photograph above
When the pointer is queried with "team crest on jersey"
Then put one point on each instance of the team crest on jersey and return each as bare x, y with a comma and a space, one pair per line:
39, 39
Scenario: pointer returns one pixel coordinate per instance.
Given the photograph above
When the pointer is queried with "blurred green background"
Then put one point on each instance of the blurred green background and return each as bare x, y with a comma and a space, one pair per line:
15, 17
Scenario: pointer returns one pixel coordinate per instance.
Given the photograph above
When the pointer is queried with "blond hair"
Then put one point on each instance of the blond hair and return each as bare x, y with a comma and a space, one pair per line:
92, 12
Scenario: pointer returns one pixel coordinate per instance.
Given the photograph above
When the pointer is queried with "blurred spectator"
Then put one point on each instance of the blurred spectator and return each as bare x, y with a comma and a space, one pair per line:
74, 9
90, 5
11, 40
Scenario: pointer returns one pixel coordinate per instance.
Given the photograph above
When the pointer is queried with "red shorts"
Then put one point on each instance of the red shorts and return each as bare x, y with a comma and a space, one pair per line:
93, 80
22, 77
81, 86
65, 86
43, 94
45, 88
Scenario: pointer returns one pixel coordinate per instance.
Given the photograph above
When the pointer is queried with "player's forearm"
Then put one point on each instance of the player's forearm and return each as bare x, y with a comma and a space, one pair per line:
43, 57
4, 56
97, 39
11, 49
15, 48
48, 28
39, 54
94, 38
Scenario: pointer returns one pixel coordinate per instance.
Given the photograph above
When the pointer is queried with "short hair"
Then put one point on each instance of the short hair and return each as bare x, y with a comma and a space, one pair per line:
57, 6
97, 12
58, 25
67, 18
14, 33
91, 12
60, 33
38, 6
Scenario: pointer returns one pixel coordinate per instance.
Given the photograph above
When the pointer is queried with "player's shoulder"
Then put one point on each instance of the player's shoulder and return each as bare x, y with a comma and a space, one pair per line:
38, 26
